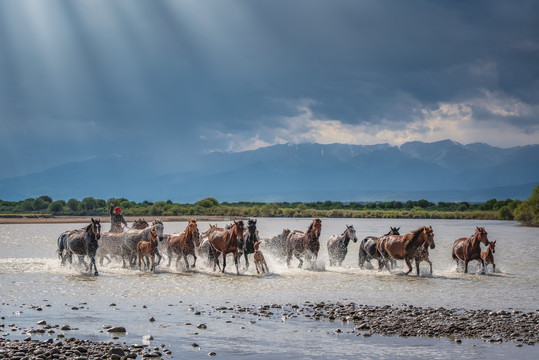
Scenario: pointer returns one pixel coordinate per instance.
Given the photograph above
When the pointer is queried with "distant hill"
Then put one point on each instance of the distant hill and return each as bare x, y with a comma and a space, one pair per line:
439, 171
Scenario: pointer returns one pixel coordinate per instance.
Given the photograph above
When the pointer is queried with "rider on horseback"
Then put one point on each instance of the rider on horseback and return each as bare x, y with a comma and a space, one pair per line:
116, 219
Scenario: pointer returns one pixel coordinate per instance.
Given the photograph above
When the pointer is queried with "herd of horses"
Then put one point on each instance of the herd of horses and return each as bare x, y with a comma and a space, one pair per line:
146, 242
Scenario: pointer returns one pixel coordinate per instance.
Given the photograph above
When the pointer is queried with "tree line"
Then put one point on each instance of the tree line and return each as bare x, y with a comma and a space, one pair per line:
524, 211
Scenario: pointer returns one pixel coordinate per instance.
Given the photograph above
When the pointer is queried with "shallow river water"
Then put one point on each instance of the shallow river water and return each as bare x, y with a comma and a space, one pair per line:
33, 286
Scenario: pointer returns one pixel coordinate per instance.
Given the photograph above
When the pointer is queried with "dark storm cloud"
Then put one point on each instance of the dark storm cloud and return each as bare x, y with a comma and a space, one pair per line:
178, 76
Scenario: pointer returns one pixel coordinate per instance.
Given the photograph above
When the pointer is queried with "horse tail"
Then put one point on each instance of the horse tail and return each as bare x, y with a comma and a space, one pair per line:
62, 245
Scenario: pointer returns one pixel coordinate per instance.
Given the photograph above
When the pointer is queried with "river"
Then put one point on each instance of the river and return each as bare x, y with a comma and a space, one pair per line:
33, 286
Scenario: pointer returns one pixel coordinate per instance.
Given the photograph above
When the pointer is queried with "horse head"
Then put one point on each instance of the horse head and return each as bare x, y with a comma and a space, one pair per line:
96, 228
351, 232
157, 226
237, 229
251, 226
428, 236
394, 231
140, 224
492, 246
192, 229
256, 245
316, 228
481, 235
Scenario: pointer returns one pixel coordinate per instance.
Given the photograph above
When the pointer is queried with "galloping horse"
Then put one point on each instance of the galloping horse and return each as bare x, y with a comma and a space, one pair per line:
304, 243
110, 243
338, 245
468, 249
224, 241
147, 249
131, 237
367, 248
488, 255
81, 242
403, 247
277, 244
183, 244
246, 244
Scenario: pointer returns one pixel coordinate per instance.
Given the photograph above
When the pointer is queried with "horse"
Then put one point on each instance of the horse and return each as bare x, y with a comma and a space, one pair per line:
224, 241
304, 243
422, 254
111, 242
488, 255
338, 245
468, 249
183, 244
204, 247
131, 237
259, 259
81, 242
367, 248
246, 244
147, 249
277, 244
403, 247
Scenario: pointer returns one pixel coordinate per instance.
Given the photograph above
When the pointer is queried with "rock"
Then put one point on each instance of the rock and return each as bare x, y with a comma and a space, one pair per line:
117, 329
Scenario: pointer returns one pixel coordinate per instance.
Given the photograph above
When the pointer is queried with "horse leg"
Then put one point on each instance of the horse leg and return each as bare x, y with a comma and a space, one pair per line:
186, 262
140, 261
466, 266
152, 258
300, 261
224, 262
169, 255
483, 267
264, 263
417, 266
236, 261
92, 262
195, 261
409, 263
430, 264
158, 257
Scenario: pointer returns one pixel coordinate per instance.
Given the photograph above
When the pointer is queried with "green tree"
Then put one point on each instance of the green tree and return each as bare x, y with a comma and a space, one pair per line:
207, 203
528, 212
73, 204
56, 207
505, 213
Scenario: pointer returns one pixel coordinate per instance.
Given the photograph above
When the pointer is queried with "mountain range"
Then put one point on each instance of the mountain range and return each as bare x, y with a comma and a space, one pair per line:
439, 171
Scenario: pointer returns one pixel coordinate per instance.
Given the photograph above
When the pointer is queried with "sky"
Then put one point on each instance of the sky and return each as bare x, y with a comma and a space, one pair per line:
87, 78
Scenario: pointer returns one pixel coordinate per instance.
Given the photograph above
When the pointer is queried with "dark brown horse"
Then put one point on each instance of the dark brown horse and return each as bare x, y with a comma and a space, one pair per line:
246, 244
422, 254
403, 247
183, 244
81, 242
488, 255
299, 243
468, 249
277, 244
367, 248
224, 241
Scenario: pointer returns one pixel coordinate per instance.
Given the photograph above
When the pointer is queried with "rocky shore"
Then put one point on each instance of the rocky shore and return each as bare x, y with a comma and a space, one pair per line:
521, 328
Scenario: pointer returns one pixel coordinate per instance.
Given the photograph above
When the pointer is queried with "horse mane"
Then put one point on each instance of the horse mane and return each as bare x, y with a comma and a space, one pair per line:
411, 238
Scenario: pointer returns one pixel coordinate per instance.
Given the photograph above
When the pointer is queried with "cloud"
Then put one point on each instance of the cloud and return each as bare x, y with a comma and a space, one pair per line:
456, 121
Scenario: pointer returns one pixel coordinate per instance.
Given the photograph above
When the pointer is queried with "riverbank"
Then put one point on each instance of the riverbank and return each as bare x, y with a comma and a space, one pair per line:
490, 326
103, 219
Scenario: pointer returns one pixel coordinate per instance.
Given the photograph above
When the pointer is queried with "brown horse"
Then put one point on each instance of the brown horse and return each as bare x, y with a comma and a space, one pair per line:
259, 259
184, 244
304, 243
422, 254
488, 255
224, 241
147, 249
468, 249
403, 247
